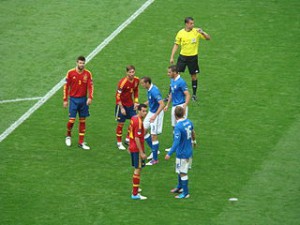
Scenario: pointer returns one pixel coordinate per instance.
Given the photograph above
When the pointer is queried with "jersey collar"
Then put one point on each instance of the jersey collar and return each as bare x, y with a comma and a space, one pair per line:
177, 78
182, 119
151, 86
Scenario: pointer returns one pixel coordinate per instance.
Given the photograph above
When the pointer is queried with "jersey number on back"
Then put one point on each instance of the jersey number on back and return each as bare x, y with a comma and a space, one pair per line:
188, 132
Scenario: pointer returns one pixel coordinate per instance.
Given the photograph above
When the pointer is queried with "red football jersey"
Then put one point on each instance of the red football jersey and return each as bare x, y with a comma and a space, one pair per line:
136, 129
78, 84
127, 91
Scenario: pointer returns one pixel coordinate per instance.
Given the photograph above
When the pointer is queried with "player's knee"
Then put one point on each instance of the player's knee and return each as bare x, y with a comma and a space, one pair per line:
154, 137
72, 120
120, 125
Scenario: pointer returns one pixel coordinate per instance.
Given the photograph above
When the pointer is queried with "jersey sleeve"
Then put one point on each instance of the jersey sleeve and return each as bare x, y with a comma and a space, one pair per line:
176, 141
157, 96
183, 86
66, 88
136, 90
178, 38
91, 86
119, 91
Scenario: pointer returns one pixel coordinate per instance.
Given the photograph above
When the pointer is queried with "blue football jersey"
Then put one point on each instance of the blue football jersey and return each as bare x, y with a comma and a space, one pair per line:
154, 97
178, 87
182, 143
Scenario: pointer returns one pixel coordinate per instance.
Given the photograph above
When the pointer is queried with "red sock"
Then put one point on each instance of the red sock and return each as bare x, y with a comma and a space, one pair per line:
135, 184
70, 125
119, 132
81, 130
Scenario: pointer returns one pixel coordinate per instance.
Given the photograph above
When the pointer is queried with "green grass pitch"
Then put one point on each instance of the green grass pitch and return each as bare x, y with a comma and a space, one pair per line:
247, 118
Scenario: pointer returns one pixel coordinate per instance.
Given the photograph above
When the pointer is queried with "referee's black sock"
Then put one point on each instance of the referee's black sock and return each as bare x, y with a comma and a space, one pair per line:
194, 85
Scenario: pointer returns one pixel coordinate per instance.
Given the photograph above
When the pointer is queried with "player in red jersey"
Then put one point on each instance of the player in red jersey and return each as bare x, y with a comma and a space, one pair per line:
126, 102
79, 87
137, 149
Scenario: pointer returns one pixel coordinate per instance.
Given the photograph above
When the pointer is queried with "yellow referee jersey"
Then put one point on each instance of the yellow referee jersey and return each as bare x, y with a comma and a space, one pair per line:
189, 41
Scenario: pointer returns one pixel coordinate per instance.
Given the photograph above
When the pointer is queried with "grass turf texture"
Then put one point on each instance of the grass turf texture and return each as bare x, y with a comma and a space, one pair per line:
247, 119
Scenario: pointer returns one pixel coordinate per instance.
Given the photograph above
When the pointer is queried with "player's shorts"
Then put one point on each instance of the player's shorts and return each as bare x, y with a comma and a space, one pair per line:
173, 118
157, 125
183, 165
136, 161
190, 61
78, 105
130, 112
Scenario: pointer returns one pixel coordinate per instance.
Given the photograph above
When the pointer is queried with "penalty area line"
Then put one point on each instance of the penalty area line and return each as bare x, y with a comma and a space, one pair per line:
45, 98
19, 100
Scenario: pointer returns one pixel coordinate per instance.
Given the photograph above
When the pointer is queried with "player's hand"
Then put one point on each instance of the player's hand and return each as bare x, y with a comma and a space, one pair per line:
194, 144
123, 111
152, 118
143, 156
89, 101
65, 104
135, 106
171, 61
200, 30
166, 108
167, 157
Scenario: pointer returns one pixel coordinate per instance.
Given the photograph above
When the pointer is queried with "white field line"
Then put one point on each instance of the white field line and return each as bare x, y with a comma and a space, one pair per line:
19, 100
26, 115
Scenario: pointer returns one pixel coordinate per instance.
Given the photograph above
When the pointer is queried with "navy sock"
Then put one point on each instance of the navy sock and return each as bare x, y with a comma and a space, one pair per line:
194, 86
155, 146
148, 140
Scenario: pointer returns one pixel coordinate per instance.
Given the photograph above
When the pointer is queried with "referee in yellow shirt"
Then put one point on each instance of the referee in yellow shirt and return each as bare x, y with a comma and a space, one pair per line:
188, 38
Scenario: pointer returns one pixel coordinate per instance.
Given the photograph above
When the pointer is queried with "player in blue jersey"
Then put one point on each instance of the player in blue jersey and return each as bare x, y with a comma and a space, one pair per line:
154, 118
184, 141
179, 94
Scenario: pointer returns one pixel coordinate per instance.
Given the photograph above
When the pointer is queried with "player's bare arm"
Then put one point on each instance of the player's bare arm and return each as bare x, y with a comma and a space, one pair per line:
168, 103
160, 108
187, 98
175, 47
194, 142
123, 111
205, 35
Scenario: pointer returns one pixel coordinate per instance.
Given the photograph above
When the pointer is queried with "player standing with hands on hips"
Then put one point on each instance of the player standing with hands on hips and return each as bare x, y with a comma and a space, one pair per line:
79, 86
189, 38
184, 141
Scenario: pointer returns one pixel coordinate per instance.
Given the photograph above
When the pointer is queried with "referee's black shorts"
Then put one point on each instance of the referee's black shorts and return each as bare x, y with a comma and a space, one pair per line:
190, 61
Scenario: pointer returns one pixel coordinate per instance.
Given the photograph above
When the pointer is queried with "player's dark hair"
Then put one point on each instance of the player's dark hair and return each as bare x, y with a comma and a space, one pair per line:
81, 58
173, 68
130, 67
188, 19
179, 112
146, 79
139, 108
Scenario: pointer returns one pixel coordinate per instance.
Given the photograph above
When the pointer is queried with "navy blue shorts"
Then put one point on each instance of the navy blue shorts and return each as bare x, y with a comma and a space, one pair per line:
78, 105
136, 161
190, 61
130, 112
